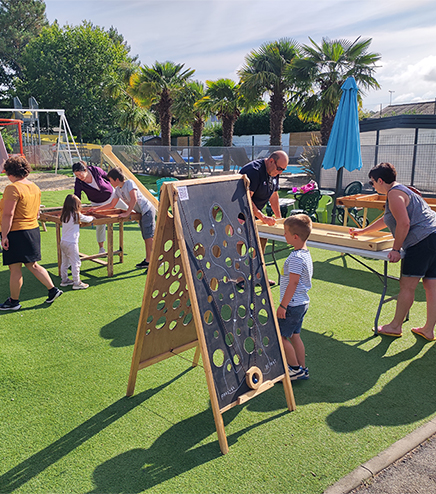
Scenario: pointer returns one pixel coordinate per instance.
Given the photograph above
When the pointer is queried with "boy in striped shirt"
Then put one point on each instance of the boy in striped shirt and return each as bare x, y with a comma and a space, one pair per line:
295, 282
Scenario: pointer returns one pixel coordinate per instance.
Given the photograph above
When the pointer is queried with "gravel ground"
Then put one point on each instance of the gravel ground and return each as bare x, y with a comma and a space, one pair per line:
45, 181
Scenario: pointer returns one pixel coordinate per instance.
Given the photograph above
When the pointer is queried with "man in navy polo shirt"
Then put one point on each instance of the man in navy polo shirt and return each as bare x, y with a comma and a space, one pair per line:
264, 184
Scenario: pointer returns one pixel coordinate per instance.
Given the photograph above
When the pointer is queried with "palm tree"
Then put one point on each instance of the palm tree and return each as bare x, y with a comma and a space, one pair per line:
324, 69
265, 71
157, 86
224, 100
187, 111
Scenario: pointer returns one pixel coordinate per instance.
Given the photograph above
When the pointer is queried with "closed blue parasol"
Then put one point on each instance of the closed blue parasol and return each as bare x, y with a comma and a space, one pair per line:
343, 148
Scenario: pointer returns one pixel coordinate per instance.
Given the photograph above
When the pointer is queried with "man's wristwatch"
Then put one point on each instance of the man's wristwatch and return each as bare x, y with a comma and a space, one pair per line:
396, 250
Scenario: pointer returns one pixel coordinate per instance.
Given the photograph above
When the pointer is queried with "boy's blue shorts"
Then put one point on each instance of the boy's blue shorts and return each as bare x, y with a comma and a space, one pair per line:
294, 320
148, 224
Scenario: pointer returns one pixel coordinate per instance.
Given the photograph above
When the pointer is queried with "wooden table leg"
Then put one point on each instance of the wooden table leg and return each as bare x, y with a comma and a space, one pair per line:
58, 242
345, 216
121, 234
110, 250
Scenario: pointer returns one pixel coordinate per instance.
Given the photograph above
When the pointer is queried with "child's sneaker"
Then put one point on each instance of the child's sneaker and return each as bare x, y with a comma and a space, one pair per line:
306, 373
143, 264
80, 286
295, 374
102, 250
53, 294
11, 305
67, 282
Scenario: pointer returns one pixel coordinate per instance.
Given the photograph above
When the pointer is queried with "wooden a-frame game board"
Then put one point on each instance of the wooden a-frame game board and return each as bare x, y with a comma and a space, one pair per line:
207, 288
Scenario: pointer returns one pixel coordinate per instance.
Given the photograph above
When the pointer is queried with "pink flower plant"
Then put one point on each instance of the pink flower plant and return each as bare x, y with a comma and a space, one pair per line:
312, 185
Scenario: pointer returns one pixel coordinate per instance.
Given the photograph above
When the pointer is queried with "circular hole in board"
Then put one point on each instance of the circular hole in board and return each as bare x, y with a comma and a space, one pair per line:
217, 214
249, 345
218, 358
198, 226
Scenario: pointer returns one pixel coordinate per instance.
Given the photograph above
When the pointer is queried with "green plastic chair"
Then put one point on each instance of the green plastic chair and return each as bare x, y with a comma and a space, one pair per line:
321, 210
160, 181
307, 203
350, 190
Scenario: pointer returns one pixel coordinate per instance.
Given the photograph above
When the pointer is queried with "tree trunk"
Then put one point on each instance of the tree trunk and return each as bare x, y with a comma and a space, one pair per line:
228, 123
277, 114
197, 131
165, 104
326, 128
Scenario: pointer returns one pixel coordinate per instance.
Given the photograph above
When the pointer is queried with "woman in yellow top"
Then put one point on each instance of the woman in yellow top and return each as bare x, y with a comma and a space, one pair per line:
21, 242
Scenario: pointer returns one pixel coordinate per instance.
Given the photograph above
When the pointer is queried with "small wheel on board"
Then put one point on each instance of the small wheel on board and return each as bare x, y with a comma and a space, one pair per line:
254, 377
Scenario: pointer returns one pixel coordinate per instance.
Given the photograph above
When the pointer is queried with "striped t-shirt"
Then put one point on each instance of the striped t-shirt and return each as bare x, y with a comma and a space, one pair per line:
299, 262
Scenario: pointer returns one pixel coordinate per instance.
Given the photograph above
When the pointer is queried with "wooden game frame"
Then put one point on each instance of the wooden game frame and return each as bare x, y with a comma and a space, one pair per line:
152, 346
108, 217
337, 235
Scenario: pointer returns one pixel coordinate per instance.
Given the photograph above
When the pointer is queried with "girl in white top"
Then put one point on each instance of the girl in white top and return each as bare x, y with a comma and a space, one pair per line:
71, 217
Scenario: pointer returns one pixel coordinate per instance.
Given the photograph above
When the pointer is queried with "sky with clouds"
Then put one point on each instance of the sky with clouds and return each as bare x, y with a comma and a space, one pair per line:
214, 36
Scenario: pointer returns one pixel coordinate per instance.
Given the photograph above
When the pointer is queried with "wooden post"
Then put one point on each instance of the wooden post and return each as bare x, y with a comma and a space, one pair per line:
110, 249
121, 240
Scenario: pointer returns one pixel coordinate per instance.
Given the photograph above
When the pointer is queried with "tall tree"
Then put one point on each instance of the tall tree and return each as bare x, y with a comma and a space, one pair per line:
70, 68
186, 110
20, 21
224, 100
324, 68
157, 86
265, 72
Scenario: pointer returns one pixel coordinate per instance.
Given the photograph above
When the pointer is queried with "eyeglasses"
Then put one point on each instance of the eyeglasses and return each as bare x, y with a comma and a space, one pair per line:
278, 167
371, 183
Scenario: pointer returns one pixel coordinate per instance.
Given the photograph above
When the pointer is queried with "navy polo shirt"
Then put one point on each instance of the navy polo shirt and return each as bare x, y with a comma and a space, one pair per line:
261, 184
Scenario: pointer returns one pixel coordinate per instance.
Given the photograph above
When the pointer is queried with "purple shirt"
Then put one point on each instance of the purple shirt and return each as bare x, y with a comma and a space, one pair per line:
95, 195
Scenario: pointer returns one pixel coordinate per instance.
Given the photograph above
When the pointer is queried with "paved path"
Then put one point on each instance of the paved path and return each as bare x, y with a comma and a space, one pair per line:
406, 467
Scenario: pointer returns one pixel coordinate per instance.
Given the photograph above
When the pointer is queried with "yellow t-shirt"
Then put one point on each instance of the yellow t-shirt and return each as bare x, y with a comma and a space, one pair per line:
28, 199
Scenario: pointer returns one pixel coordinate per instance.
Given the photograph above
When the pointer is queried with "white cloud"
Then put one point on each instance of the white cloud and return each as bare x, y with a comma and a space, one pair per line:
213, 36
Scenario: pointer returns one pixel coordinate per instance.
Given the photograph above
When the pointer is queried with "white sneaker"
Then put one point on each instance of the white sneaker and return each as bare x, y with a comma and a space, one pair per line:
102, 250
67, 282
80, 286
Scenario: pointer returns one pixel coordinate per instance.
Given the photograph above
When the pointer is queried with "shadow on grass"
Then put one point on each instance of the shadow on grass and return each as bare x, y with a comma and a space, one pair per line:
407, 398
32, 289
362, 279
37, 463
341, 372
175, 452
122, 331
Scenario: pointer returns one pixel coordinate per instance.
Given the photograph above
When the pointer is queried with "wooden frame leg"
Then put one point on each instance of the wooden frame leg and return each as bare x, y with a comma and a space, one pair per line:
345, 216
121, 239
196, 356
110, 250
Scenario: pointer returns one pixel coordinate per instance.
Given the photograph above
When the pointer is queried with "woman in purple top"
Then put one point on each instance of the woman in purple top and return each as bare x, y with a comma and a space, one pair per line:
413, 225
93, 181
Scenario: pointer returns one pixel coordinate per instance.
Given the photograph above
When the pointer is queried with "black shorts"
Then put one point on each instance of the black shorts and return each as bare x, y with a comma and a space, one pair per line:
420, 259
24, 246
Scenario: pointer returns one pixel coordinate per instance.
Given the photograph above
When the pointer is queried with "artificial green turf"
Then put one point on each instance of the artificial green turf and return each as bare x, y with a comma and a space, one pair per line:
67, 427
